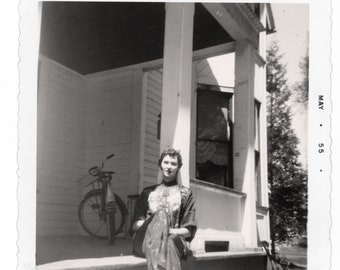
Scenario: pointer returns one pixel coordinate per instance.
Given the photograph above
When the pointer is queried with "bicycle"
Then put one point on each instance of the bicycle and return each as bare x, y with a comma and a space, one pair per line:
102, 213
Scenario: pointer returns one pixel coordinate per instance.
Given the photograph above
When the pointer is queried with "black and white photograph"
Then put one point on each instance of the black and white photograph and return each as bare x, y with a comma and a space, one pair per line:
173, 135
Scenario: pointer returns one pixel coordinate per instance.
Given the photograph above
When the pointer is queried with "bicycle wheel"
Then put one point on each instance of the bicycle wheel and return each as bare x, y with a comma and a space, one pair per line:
120, 215
93, 215
111, 228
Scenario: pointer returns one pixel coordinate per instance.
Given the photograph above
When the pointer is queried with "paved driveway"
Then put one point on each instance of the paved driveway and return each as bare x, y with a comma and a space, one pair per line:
295, 254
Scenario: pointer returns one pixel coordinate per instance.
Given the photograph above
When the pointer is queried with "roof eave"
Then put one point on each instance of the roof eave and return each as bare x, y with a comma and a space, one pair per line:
270, 24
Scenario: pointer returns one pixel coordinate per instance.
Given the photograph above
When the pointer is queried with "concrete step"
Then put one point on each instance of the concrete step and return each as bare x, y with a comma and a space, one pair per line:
238, 260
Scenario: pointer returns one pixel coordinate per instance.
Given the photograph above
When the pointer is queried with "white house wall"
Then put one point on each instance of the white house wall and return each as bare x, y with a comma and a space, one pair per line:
84, 119
109, 124
153, 108
61, 122
262, 217
223, 221
81, 120
219, 217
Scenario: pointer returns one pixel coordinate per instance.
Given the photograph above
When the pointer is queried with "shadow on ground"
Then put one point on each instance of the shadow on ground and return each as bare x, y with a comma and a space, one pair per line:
294, 254
52, 248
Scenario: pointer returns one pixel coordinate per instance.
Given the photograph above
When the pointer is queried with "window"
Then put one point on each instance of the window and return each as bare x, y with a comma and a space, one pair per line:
214, 136
257, 153
159, 125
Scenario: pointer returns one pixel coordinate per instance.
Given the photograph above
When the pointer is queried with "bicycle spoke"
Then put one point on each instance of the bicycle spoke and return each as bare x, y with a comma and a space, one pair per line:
94, 210
101, 225
90, 201
94, 222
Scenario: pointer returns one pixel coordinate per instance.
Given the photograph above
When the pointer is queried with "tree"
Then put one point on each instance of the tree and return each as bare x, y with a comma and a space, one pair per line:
287, 179
302, 88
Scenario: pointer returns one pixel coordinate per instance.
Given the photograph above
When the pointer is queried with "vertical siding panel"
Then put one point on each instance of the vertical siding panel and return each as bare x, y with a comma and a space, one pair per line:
109, 126
81, 120
153, 109
61, 121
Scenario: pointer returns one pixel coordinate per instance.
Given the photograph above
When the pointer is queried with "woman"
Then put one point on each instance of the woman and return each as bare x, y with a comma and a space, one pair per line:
164, 217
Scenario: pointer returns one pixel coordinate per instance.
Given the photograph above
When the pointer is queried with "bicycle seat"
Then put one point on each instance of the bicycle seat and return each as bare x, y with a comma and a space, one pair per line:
107, 172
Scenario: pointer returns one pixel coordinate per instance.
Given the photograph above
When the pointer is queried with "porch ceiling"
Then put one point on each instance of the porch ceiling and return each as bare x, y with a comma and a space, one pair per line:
90, 37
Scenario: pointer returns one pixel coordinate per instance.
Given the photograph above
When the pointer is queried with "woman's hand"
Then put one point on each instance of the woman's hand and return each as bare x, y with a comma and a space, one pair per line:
138, 224
180, 231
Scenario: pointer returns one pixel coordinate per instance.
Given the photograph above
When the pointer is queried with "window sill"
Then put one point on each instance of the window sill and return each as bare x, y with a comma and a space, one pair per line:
216, 188
262, 209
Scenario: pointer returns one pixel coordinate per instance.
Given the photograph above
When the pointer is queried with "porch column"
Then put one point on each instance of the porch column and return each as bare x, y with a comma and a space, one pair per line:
30, 23
244, 156
177, 82
263, 125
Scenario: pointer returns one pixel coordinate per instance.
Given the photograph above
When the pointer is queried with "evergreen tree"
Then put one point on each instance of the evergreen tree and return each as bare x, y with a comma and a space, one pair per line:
302, 88
287, 179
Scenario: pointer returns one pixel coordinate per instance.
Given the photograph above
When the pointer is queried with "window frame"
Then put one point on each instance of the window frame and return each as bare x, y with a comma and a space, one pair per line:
257, 151
229, 93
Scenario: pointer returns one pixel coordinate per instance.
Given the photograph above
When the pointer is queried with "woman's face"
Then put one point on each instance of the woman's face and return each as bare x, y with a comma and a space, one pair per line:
169, 168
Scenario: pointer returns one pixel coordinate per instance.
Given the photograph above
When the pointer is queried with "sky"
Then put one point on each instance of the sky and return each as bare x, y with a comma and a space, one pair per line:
292, 26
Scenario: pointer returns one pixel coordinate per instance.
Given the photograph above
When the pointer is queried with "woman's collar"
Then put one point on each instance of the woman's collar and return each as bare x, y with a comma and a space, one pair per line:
170, 183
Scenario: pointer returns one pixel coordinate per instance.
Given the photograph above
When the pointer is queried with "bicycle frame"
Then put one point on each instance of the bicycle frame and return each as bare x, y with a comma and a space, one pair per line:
102, 200
109, 199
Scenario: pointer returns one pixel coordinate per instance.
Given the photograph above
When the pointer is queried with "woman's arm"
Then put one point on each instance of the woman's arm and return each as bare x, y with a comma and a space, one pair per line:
180, 231
187, 218
140, 210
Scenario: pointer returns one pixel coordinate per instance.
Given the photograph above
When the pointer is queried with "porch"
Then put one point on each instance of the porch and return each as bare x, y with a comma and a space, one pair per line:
84, 252
94, 100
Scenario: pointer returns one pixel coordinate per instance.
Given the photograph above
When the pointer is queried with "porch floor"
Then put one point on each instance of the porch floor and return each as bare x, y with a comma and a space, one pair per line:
85, 252
58, 248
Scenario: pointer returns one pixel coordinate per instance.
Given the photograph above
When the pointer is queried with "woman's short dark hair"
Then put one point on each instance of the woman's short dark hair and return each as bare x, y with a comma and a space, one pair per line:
172, 153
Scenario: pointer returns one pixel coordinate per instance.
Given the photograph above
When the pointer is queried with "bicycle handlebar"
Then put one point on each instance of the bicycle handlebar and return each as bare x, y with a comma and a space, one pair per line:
101, 177
97, 171
110, 156
93, 171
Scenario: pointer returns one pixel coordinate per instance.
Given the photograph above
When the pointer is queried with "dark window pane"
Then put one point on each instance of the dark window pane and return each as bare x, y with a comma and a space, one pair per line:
214, 129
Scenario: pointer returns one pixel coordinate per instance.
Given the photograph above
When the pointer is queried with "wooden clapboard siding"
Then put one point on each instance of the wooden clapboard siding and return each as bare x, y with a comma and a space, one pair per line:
60, 159
151, 157
81, 121
152, 123
156, 76
60, 199
55, 177
153, 104
155, 98
56, 216
153, 109
150, 174
153, 152
51, 208
148, 183
109, 125
43, 231
121, 150
65, 227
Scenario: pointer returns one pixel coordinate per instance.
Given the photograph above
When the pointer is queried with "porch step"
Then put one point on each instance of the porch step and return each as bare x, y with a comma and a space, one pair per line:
109, 263
240, 260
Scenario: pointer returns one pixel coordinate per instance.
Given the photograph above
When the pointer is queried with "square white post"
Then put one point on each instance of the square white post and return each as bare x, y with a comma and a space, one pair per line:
263, 124
177, 82
244, 135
